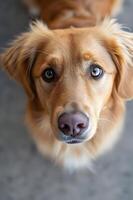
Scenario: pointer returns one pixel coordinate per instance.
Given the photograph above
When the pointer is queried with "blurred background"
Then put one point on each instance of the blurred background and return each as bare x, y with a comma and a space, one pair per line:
24, 173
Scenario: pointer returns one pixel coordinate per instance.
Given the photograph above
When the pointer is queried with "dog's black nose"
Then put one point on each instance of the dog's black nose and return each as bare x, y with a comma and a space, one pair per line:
73, 124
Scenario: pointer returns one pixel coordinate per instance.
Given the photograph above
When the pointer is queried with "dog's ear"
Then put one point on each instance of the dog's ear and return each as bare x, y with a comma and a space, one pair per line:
119, 44
16, 61
19, 58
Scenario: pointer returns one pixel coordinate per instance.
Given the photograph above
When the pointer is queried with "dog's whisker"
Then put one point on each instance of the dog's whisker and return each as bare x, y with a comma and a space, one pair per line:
107, 120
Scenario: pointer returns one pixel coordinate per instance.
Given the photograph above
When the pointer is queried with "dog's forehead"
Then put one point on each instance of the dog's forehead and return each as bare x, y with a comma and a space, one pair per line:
73, 37
80, 44
70, 43
76, 41
74, 48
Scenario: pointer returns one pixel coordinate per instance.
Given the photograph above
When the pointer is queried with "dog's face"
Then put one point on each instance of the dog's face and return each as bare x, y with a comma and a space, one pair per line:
74, 83
73, 75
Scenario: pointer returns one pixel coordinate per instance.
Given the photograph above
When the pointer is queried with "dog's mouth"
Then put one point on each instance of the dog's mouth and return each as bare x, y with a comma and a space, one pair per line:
73, 141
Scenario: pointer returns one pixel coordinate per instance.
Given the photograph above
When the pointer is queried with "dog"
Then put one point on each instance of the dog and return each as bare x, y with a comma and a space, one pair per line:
77, 75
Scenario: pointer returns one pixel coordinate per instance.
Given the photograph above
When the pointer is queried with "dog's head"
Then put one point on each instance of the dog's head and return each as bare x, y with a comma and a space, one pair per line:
71, 76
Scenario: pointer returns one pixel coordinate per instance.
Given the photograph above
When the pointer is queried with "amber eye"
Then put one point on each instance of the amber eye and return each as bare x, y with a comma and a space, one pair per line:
96, 72
49, 75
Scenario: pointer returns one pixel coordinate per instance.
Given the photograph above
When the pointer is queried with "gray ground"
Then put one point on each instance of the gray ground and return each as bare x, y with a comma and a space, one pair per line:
24, 173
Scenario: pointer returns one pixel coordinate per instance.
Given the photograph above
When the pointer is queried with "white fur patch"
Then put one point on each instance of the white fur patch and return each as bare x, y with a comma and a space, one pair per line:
72, 163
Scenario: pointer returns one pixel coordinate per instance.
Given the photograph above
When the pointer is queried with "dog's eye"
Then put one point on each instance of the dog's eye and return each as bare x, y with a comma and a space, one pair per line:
49, 75
96, 71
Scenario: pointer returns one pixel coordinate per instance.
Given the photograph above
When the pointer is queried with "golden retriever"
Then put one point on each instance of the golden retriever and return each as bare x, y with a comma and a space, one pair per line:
77, 81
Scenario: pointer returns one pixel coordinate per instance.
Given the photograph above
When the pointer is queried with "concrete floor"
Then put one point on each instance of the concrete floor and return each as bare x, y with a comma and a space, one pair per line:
24, 173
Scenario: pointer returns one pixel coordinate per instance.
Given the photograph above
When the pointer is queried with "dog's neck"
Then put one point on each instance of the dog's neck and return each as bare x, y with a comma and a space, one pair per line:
60, 14
69, 19
65, 14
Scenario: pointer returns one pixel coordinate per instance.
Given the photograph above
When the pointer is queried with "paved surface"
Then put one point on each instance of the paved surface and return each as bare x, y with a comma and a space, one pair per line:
24, 173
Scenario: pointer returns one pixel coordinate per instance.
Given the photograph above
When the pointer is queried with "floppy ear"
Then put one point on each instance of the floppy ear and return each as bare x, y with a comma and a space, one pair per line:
119, 44
16, 61
20, 57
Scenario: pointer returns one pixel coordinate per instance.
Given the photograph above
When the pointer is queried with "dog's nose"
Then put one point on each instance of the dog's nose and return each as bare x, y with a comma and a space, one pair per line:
73, 124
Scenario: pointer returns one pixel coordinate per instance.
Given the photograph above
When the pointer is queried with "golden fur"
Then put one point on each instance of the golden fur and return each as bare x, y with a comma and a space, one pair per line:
77, 13
70, 52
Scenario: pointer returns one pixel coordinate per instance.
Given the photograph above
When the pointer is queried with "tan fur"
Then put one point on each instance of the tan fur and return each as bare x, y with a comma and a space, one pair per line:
77, 13
70, 52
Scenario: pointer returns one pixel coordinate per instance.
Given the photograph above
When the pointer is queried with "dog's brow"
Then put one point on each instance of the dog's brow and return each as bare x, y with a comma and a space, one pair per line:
55, 60
88, 56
